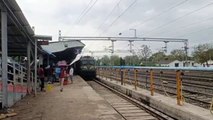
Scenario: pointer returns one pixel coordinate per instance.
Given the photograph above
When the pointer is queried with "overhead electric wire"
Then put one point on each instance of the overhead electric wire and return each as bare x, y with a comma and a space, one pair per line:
123, 12
86, 12
211, 27
117, 18
186, 26
107, 17
163, 12
178, 18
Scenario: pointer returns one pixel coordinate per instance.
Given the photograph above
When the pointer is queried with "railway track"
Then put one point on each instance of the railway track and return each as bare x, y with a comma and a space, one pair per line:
127, 107
192, 97
195, 92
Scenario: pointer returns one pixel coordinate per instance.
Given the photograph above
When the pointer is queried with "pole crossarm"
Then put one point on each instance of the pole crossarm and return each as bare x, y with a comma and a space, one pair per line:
124, 39
130, 40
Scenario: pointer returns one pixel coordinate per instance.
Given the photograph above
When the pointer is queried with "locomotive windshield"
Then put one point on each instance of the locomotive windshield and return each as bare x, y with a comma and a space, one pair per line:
88, 62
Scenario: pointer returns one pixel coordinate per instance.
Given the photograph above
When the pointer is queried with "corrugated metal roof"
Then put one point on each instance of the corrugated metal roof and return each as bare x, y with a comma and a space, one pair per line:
62, 45
19, 30
12, 4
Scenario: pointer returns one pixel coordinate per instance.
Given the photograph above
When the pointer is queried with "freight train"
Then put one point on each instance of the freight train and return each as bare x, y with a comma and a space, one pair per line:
86, 67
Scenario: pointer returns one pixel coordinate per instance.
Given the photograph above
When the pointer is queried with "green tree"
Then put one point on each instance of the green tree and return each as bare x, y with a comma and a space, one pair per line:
98, 62
122, 61
144, 53
132, 60
202, 53
177, 54
105, 60
115, 60
158, 56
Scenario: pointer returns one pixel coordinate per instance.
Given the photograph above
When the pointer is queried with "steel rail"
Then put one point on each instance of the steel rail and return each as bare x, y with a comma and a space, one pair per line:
150, 110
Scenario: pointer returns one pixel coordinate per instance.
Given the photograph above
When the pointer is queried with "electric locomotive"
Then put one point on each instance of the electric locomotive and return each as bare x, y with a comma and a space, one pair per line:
86, 67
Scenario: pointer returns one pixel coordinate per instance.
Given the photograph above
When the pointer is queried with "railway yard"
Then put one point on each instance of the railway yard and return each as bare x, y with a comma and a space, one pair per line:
98, 100
197, 86
164, 71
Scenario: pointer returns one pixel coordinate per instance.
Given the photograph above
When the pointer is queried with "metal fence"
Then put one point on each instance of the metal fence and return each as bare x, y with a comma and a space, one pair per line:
179, 82
17, 83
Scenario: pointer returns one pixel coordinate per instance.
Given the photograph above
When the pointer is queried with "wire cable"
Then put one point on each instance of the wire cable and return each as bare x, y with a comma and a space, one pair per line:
163, 12
123, 12
76, 21
79, 20
84, 10
211, 27
117, 18
158, 15
186, 26
106, 18
178, 18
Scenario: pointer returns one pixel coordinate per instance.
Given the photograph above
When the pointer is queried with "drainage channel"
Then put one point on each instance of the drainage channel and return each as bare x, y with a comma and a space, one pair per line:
126, 108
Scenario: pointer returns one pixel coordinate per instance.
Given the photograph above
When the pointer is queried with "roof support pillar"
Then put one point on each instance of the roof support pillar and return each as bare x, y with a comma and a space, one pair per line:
28, 67
4, 43
35, 68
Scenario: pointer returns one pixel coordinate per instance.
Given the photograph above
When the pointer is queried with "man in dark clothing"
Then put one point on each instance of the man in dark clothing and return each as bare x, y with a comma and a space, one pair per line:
41, 77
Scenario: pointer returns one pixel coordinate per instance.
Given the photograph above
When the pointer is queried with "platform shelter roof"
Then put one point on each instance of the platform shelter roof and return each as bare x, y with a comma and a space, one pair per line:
64, 50
19, 30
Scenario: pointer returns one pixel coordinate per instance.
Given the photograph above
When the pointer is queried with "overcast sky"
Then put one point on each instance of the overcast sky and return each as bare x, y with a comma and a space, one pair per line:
190, 19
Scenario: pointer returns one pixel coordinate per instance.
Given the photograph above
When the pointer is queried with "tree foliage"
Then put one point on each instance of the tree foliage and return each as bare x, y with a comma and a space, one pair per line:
144, 52
178, 54
132, 60
105, 60
115, 60
203, 53
158, 56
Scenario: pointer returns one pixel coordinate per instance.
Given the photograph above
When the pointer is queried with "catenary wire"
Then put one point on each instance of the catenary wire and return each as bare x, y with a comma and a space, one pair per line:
211, 27
86, 11
158, 15
117, 18
123, 12
163, 12
178, 18
107, 17
186, 26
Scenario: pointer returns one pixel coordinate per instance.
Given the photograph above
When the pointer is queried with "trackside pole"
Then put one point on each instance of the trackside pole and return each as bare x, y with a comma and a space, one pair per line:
178, 81
35, 72
151, 82
135, 76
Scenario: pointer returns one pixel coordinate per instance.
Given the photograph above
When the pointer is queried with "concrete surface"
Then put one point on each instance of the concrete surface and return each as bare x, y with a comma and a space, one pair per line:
78, 101
162, 103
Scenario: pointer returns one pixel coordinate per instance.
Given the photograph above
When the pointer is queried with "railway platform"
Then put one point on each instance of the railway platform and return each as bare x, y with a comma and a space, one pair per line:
78, 101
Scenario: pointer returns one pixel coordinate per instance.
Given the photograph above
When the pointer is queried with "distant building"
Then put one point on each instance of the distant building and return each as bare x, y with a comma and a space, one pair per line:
210, 64
177, 63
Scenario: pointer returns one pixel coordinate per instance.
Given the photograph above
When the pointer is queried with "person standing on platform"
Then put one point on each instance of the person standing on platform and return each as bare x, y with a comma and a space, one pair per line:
57, 73
62, 77
41, 77
71, 74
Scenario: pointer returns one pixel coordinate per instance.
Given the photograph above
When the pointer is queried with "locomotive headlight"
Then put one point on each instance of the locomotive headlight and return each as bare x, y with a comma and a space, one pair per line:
83, 67
92, 67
